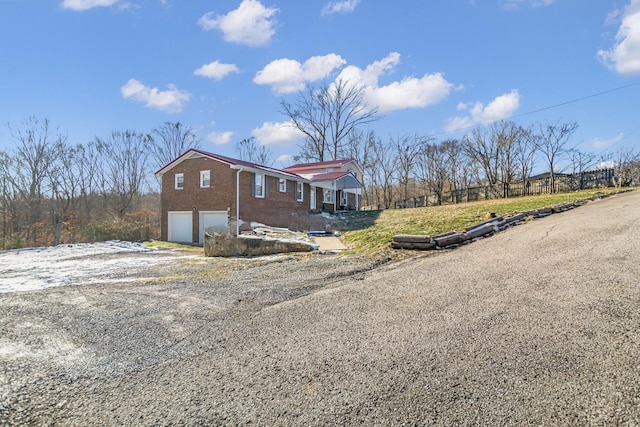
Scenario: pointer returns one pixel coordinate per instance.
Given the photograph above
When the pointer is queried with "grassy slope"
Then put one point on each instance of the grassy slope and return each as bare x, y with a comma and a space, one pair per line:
373, 231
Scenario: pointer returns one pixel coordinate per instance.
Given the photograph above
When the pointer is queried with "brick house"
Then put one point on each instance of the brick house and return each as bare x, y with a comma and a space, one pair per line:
340, 181
202, 190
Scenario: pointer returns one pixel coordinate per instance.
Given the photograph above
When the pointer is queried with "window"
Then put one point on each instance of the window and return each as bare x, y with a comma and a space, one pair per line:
327, 196
299, 191
205, 179
282, 185
312, 197
179, 181
258, 188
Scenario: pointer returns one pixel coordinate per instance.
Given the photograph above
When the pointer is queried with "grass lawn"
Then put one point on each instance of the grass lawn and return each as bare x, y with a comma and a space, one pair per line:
372, 231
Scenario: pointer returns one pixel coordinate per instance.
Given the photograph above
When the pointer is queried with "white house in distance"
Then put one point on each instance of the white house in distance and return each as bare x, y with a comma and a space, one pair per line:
340, 181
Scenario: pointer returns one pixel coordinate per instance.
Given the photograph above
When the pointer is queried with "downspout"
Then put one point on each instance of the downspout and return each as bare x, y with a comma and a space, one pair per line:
239, 169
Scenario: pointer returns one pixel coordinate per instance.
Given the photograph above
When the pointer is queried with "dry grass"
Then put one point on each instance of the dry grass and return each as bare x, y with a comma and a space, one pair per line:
373, 231
176, 246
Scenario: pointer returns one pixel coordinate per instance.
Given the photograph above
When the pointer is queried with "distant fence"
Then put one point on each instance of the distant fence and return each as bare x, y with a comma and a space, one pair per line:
540, 184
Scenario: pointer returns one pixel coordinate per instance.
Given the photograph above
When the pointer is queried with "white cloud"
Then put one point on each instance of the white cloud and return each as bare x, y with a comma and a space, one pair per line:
250, 24
624, 56
600, 144
515, 4
285, 159
370, 75
216, 70
283, 134
80, 5
343, 6
500, 108
284, 75
288, 75
613, 17
172, 100
607, 164
220, 138
410, 92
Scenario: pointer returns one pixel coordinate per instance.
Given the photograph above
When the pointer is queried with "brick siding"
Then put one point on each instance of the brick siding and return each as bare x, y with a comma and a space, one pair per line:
278, 209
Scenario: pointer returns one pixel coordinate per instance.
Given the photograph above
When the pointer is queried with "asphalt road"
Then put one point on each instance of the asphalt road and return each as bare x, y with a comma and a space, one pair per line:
537, 325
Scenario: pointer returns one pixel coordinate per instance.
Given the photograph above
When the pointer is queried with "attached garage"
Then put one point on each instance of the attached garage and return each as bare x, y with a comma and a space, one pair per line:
212, 221
180, 227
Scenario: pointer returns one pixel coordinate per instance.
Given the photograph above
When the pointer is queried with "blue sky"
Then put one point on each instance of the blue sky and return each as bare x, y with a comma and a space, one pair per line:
432, 67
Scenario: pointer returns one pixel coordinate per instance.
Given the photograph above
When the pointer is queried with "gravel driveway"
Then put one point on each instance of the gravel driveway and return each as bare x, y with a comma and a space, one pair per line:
537, 325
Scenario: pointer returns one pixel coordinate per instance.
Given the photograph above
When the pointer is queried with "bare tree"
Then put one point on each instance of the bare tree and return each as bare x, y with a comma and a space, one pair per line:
8, 199
580, 161
50, 191
250, 150
432, 169
381, 169
483, 149
627, 166
525, 150
508, 136
458, 167
34, 155
358, 148
406, 150
170, 140
326, 117
88, 176
496, 152
64, 186
551, 144
124, 176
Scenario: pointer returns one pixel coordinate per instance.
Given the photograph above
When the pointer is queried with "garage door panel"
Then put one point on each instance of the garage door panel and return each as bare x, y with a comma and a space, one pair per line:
180, 227
215, 221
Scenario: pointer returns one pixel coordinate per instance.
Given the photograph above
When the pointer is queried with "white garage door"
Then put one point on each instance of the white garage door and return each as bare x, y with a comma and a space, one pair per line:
216, 221
180, 227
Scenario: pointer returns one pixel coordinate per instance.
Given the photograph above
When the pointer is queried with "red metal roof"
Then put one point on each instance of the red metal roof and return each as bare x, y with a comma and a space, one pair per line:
330, 176
317, 165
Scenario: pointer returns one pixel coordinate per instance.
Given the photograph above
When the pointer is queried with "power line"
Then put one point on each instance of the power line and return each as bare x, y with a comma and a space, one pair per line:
534, 111
573, 101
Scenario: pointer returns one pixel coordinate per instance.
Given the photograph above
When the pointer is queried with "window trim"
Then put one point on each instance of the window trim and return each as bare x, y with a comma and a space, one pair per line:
178, 179
300, 191
282, 185
255, 185
312, 197
202, 174
331, 192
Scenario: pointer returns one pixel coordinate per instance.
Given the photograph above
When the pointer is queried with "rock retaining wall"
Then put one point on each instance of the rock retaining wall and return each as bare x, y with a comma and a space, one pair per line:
225, 244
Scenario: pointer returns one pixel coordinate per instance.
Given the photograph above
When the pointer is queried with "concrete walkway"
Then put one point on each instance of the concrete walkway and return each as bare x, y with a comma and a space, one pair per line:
329, 243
